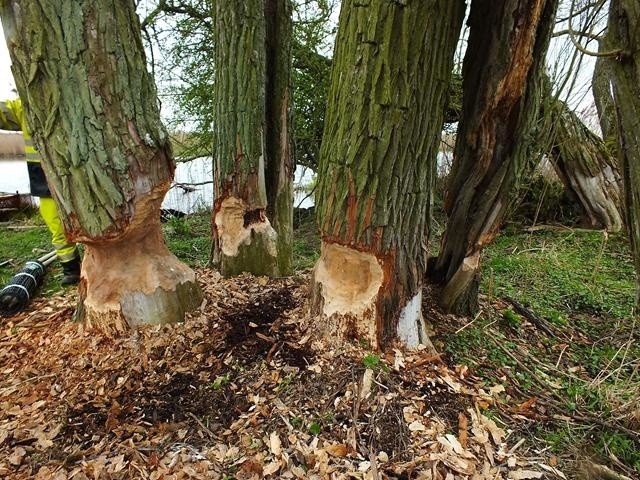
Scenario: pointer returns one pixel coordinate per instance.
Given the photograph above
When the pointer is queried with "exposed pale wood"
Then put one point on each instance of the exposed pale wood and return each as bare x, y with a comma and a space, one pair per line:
392, 66
502, 87
93, 111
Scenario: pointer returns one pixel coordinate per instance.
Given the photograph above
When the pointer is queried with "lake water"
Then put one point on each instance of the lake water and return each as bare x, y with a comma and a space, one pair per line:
193, 198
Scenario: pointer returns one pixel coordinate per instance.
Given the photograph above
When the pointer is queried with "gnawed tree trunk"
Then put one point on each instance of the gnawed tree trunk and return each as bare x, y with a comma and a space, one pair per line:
253, 211
280, 165
80, 70
391, 69
624, 33
502, 86
587, 169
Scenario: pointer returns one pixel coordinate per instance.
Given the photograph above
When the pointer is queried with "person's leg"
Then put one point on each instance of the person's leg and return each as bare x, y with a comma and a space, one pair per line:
67, 252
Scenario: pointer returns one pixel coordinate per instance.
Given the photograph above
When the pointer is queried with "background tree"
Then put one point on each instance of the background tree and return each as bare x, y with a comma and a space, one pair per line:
384, 118
253, 168
182, 34
586, 167
502, 85
623, 45
93, 109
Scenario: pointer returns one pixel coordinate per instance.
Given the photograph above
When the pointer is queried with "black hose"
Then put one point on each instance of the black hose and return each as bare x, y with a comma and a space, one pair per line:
21, 288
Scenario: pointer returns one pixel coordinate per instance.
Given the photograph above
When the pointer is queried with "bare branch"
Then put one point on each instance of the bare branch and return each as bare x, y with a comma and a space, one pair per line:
572, 36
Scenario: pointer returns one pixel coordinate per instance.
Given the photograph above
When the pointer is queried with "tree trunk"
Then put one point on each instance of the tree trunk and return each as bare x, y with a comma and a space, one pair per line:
587, 169
624, 33
253, 212
80, 70
502, 87
280, 165
601, 88
391, 70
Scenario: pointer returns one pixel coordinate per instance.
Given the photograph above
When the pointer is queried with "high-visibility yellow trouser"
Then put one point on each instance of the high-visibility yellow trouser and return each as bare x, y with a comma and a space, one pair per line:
66, 251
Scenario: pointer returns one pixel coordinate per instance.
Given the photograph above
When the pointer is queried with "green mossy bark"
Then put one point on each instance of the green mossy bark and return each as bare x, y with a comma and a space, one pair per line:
624, 33
390, 77
587, 169
280, 166
253, 160
502, 90
92, 107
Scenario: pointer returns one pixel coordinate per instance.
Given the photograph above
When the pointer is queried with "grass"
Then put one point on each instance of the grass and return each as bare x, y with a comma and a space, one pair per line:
560, 273
189, 238
27, 238
583, 284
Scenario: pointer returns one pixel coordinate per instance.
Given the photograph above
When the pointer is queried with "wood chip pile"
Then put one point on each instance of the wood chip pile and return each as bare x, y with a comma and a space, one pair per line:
240, 390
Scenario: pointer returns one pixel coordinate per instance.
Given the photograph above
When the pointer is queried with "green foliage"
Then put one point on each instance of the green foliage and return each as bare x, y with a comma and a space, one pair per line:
220, 382
311, 72
513, 319
189, 238
315, 428
371, 361
621, 446
183, 33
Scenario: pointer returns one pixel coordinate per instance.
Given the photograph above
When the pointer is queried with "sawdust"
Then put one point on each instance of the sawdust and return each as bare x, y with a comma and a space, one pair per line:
236, 391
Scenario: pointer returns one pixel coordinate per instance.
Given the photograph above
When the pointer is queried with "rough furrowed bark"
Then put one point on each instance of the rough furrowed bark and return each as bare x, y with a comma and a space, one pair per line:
280, 165
92, 106
502, 88
391, 70
253, 212
624, 33
587, 169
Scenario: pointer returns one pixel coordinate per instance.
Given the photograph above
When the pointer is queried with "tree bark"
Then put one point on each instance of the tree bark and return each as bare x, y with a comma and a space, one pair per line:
253, 209
624, 33
391, 71
587, 169
502, 89
80, 70
601, 89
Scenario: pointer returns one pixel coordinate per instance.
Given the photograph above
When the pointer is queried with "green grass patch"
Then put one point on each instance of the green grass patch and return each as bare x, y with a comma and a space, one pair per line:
189, 238
27, 238
561, 273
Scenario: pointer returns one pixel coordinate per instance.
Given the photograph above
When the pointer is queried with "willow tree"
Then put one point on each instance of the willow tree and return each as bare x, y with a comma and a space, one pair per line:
587, 169
502, 88
253, 164
390, 77
80, 69
623, 41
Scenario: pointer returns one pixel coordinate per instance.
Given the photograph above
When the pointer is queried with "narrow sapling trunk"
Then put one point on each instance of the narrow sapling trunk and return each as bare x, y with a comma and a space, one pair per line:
253, 210
80, 69
624, 36
502, 86
390, 75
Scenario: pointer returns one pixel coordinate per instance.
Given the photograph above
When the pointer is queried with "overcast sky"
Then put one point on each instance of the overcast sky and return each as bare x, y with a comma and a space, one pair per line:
579, 99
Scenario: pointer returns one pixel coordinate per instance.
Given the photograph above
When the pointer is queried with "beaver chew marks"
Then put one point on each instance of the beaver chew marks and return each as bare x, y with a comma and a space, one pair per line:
236, 222
350, 281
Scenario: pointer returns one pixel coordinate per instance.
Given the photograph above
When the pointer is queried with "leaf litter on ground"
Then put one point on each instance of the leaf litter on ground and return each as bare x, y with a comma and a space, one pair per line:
242, 389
